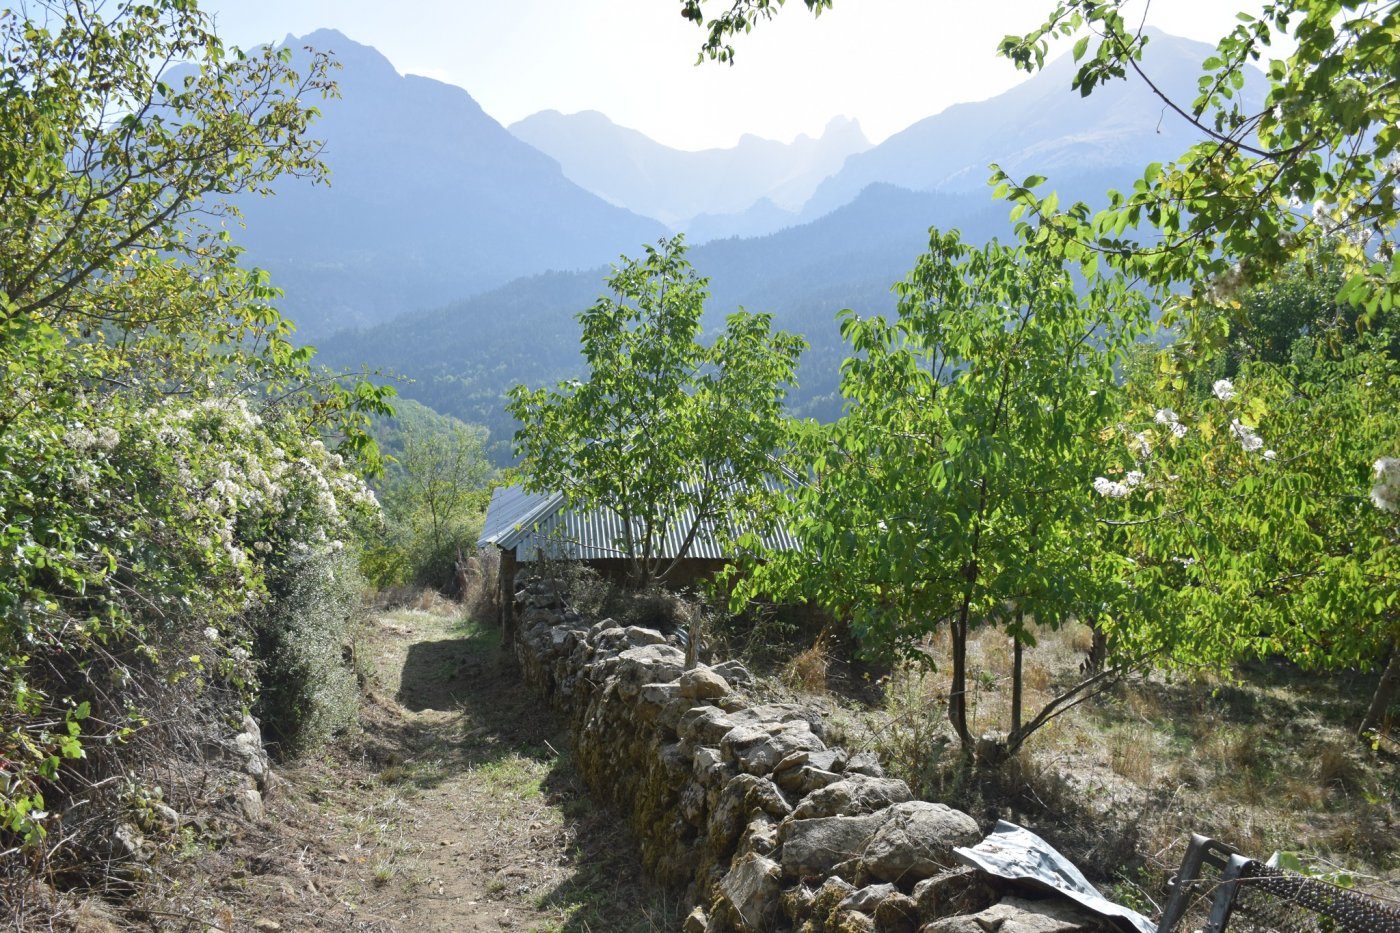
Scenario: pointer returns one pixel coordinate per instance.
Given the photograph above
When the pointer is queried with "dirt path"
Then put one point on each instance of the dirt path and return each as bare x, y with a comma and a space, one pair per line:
458, 809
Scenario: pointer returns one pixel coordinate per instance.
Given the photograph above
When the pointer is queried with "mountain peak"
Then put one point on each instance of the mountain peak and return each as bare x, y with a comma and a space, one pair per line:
841, 127
426, 184
358, 59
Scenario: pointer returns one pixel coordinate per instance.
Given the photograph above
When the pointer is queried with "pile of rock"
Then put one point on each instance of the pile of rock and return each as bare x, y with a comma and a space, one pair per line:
744, 806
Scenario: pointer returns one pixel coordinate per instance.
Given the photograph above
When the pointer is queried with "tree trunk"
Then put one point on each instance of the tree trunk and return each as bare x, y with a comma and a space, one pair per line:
1385, 696
1017, 651
957, 696
692, 640
1098, 649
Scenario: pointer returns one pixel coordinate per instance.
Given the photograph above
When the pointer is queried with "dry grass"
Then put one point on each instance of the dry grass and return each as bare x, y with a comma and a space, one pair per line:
1130, 754
477, 574
807, 670
1263, 759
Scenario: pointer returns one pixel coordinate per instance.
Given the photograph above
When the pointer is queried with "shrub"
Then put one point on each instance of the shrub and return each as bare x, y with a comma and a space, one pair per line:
154, 532
303, 633
477, 575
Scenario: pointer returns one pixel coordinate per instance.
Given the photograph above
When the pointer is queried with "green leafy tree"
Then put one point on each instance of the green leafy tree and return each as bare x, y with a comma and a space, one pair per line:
443, 475
1312, 173
160, 451
434, 497
1295, 317
1316, 164
1253, 523
951, 492
673, 436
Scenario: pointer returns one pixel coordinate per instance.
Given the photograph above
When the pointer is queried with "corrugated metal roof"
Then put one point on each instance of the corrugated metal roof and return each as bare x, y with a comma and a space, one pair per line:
512, 508
536, 524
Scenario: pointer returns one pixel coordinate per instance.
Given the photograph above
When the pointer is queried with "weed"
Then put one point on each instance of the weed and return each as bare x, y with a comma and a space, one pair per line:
477, 583
907, 734
807, 671
1337, 767
1130, 754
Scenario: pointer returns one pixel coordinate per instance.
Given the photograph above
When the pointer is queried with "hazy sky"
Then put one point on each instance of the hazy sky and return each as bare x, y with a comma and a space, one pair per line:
886, 62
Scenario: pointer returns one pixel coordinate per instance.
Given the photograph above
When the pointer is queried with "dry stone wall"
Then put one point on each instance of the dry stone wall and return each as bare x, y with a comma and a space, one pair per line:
742, 804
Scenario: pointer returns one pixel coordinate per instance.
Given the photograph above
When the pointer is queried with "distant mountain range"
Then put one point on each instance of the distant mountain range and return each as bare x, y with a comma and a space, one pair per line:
760, 186
1040, 127
430, 199
432, 252
676, 187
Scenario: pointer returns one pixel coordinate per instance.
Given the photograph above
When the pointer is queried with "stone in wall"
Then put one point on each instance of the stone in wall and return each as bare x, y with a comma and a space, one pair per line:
743, 807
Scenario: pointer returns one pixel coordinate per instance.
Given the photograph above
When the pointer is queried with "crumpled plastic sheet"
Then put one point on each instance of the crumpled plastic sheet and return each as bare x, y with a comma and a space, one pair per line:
1020, 855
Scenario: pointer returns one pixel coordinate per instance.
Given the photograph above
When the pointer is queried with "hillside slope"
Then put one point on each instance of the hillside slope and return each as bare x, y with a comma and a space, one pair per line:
430, 199
465, 355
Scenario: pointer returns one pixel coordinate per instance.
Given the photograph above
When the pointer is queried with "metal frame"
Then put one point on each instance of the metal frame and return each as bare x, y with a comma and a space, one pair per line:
1202, 851
1332, 907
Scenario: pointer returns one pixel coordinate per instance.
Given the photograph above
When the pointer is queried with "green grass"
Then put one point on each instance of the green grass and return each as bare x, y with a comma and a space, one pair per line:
516, 774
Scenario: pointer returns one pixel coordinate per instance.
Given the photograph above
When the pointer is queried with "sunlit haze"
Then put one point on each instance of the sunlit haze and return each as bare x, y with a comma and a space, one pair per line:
887, 63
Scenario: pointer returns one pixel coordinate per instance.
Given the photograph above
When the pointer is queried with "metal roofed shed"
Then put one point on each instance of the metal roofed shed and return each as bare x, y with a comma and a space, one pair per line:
536, 525
529, 527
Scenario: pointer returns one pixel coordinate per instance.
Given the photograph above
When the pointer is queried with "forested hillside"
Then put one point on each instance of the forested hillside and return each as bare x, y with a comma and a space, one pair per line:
462, 358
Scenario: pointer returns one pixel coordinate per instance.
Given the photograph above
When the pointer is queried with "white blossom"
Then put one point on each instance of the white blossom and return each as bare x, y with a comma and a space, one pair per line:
1134, 477
1386, 492
1359, 235
107, 438
1224, 389
1142, 444
1248, 439
211, 633
1271, 455
1165, 416
1178, 430
79, 438
1109, 489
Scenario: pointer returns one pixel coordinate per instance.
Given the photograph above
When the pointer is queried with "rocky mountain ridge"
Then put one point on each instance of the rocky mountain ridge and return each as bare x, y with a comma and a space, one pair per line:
430, 199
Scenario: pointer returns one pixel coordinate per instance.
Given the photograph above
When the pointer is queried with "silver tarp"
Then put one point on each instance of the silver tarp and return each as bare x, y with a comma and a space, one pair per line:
1020, 855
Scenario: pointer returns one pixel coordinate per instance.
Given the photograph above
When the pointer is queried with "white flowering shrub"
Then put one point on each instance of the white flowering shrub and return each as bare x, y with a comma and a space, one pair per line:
1385, 493
148, 533
143, 505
